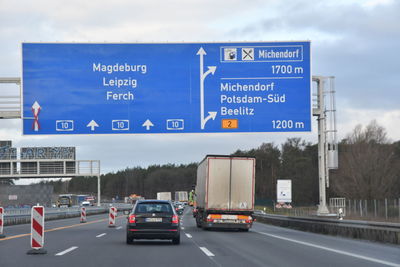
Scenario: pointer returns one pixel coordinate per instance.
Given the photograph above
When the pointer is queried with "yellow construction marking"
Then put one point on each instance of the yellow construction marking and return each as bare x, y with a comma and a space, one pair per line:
58, 228
14, 236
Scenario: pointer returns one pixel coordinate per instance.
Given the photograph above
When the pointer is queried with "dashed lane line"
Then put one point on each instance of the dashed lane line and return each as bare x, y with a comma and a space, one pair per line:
119, 227
188, 235
66, 251
101, 235
207, 252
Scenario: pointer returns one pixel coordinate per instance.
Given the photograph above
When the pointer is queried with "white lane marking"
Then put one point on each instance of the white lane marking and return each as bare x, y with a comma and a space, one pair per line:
66, 251
183, 228
333, 250
207, 252
119, 227
100, 235
188, 235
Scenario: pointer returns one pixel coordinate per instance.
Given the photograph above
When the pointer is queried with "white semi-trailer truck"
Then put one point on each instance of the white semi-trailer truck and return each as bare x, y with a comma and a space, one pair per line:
181, 196
225, 192
164, 196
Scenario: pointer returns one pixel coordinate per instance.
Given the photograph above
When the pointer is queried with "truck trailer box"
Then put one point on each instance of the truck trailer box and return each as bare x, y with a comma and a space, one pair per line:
226, 183
181, 196
164, 196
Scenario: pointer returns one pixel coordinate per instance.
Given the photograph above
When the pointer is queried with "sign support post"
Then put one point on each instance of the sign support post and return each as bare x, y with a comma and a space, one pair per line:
1, 222
98, 190
322, 207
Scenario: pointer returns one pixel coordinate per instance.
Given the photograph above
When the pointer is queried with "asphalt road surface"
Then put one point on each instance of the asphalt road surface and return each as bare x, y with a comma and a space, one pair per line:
70, 243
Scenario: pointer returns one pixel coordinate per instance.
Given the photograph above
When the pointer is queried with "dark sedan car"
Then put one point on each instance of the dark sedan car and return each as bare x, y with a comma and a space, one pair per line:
153, 219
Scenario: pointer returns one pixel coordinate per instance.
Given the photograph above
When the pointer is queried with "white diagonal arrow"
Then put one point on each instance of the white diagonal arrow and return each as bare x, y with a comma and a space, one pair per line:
147, 124
211, 70
211, 115
92, 124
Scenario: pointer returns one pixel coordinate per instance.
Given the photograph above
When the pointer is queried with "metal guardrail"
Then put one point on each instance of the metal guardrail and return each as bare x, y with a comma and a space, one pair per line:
331, 220
23, 215
119, 206
18, 216
375, 231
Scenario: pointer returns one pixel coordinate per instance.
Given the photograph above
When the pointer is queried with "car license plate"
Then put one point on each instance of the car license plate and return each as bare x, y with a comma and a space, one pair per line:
228, 221
153, 220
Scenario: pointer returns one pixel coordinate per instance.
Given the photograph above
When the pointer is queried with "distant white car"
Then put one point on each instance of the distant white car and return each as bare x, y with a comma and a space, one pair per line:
85, 203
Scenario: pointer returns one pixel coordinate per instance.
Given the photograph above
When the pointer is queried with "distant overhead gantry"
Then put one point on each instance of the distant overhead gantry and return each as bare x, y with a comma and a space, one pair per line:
10, 104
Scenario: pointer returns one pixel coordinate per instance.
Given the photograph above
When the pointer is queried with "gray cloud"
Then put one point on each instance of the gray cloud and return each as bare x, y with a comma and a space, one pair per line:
358, 45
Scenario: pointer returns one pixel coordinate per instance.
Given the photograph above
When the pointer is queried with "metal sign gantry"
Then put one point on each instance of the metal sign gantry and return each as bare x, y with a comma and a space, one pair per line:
325, 111
50, 168
10, 105
148, 88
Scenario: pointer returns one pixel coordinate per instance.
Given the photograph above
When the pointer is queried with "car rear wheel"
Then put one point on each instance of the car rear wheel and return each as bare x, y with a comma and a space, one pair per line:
198, 224
129, 239
176, 240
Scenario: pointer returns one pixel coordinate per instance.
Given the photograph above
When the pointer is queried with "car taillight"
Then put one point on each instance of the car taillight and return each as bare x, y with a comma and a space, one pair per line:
249, 220
132, 219
175, 219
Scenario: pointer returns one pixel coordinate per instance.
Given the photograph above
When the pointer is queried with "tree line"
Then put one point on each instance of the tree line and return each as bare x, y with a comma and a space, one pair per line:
369, 168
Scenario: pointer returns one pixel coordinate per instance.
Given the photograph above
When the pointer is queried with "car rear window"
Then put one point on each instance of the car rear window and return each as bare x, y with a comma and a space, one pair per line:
154, 207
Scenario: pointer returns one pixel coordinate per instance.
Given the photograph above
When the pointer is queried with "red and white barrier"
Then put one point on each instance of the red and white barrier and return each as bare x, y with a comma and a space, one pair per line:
83, 215
37, 230
111, 217
1, 222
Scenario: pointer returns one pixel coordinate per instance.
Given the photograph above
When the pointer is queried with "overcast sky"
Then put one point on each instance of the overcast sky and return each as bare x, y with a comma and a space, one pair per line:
356, 41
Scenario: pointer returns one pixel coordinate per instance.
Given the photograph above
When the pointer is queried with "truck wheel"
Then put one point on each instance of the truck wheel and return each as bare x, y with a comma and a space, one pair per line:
198, 223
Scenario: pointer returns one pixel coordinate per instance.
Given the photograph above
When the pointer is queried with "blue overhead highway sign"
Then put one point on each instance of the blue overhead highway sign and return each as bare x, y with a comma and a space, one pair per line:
166, 88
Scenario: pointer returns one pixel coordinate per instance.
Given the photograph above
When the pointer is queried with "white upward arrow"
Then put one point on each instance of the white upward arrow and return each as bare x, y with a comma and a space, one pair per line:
92, 124
203, 75
36, 109
148, 124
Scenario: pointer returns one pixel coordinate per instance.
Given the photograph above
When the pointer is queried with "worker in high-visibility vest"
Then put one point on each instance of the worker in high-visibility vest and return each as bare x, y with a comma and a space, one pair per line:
192, 198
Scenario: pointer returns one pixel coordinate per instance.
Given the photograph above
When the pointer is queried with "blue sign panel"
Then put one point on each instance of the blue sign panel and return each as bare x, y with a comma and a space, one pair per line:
166, 88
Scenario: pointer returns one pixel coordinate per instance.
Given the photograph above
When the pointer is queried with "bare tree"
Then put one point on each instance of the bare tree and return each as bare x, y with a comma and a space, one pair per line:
369, 166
